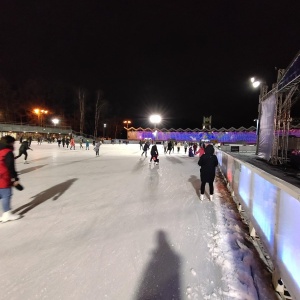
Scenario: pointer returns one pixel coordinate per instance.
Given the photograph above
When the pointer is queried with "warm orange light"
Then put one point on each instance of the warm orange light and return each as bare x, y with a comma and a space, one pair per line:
38, 111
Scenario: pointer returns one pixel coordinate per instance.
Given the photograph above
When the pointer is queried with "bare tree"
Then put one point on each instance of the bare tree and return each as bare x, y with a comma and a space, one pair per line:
100, 104
81, 100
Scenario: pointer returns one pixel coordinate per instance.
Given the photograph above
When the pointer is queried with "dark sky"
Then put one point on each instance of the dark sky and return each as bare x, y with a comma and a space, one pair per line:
182, 59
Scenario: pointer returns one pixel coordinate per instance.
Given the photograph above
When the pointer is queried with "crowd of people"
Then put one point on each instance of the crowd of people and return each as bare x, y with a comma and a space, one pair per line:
207, 159
9, 177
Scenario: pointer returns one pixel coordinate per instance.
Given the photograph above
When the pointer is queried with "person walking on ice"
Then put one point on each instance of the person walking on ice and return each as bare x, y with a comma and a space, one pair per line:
145, 148
23, 150
208, 163
97, 147
87, 145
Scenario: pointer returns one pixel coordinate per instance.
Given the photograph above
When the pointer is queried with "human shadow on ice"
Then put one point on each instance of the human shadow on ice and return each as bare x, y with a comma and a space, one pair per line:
161, 279
139, 165
31, 169
174, 160
195, 181
54, 192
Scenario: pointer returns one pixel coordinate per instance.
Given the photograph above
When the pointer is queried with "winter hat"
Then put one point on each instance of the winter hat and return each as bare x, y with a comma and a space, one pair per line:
8, 139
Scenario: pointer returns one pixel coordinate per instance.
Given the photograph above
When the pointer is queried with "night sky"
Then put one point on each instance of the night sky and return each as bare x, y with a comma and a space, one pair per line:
182, 59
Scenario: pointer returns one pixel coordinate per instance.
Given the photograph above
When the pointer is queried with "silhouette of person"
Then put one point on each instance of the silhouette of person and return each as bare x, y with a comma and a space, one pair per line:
161, 279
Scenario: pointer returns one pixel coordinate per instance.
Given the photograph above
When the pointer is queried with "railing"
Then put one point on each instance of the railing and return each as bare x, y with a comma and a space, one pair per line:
272, 208
15, 127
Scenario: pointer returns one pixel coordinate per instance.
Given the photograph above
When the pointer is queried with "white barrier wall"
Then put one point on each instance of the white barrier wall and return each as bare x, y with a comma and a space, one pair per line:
273, 207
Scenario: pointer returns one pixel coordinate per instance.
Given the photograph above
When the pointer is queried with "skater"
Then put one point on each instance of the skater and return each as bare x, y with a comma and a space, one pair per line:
185, 146
63, 141
208, 163
67, 142
87, 145
195, 146
23, 150
178, 147
201, 150
72, 144
191, 152
165, 145
8, 177
141, 145
97, 147
80, 144
154, 154
145, 148
170, 146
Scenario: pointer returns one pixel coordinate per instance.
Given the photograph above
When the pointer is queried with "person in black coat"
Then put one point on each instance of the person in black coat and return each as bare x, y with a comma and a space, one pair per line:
154, 154
23, 150
145, 148
208, 163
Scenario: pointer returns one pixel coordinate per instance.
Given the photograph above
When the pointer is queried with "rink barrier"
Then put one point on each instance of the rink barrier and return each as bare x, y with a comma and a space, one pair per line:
272, 210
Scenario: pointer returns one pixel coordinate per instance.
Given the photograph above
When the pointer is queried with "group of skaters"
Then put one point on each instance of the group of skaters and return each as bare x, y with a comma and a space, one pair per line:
207, 160
153, 152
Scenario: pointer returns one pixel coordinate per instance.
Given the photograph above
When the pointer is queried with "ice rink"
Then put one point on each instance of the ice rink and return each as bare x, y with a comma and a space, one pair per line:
115, 227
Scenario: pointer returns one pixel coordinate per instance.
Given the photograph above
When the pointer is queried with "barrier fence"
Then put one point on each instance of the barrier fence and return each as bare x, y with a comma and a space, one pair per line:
272, 207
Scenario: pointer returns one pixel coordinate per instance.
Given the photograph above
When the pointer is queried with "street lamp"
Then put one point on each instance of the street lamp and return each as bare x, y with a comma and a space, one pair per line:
55, 121
127, 122
40, 113
155, 119
104, 126
263, 91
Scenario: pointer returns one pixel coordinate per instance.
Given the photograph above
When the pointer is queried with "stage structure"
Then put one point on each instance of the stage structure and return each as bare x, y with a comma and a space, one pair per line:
277, 129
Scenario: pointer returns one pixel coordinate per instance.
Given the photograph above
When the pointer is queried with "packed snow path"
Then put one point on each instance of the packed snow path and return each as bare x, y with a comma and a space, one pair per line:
115, 227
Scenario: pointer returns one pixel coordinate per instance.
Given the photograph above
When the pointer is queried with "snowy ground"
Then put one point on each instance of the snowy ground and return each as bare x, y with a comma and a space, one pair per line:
115, 227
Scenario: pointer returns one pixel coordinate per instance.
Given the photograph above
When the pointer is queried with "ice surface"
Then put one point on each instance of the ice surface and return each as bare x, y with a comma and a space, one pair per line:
115, 227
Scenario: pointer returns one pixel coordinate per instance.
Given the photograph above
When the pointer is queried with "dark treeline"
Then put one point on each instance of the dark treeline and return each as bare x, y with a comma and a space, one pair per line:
84, 110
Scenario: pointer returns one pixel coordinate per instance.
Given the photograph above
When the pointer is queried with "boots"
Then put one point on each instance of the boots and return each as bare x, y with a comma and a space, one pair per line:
8, 216
202, 197
211, 197
26, 162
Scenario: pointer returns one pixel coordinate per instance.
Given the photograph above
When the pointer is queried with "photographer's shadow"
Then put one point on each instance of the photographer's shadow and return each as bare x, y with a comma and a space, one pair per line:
54, 192
161, 279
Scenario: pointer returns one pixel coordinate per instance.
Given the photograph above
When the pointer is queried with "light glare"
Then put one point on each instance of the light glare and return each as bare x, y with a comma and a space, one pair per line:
155, 119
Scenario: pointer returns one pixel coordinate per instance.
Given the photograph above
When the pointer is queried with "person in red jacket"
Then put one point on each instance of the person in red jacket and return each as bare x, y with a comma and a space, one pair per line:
8, 177
201, 150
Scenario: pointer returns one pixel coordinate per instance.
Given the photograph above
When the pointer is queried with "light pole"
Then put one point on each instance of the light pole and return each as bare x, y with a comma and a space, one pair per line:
40, 113
263, 91
155, 119
127, 122
104, 126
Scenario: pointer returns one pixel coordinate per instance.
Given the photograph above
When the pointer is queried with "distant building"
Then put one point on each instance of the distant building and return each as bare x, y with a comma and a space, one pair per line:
206, 122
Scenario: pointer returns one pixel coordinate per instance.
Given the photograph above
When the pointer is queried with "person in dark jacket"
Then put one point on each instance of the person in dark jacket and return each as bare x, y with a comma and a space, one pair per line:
8, 177
154, 154
208, 163
145, 148
23, 150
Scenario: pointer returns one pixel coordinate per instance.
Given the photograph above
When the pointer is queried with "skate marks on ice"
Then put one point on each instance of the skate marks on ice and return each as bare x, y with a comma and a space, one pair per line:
161, 279
195, 181
54, 192
231, 248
